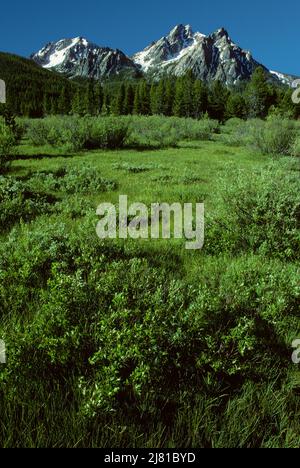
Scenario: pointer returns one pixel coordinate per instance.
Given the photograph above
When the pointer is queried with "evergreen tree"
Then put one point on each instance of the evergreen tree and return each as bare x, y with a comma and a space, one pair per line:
137, 105
46, 104
63, 105
218, 97
77, 102
158, 103
118, 104
178, 107
169, 97
98, 91
258, 94
200, 99
144, 97
106, 103
129, 99
236, 106
188, 95
89, 99
287, 106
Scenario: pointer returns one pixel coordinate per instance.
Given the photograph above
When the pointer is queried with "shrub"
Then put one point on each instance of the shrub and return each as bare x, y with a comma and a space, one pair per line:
86, 180
163, 132
276, 136
295, 150
37, 132
7, 145
75, 133
259, 212
83, 179
18, 202
236, 132
108, 133
155, 132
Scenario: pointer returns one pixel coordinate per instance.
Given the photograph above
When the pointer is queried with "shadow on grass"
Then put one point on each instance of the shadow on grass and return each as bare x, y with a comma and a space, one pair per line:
23, 157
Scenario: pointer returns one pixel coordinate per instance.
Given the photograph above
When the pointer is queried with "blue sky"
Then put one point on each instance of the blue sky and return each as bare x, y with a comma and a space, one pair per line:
269, 28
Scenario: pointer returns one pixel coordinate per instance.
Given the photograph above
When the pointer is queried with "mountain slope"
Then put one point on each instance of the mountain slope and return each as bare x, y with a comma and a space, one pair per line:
213, 57
27, 84
80, 58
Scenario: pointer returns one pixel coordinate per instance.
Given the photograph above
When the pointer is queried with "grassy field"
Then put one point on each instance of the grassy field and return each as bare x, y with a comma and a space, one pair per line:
142, 343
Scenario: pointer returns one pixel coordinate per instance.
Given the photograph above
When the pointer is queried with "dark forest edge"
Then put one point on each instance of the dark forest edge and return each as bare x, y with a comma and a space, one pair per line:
35, 92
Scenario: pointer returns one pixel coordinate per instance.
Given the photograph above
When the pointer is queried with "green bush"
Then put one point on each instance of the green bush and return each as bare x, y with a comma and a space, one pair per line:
236, 132
7, 145
82, 179
75, 133
276, 136
259, 212
19, 202
295, 150
163, 132
97, 300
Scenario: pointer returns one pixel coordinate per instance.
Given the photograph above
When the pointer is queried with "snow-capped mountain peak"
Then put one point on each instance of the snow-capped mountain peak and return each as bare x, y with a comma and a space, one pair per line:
209, 57
213, 57
169, 48
80, 57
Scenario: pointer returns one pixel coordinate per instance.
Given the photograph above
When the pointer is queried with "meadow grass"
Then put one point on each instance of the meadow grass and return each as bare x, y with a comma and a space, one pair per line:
142, 343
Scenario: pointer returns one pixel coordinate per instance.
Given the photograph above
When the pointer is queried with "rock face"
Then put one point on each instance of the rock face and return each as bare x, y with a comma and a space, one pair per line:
213, 57
81, 58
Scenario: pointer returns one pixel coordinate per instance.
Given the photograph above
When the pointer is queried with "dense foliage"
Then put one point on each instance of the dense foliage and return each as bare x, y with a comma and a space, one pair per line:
36, 92
129, 343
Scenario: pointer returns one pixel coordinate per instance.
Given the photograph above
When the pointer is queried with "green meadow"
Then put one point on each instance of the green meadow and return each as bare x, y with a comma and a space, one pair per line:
142, 343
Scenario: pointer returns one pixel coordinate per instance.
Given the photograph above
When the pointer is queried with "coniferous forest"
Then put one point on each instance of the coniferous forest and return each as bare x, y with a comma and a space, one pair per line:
35, 92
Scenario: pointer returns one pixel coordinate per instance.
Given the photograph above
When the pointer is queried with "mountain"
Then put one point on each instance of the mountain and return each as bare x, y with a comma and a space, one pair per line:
80, 58
27, 84
212, 57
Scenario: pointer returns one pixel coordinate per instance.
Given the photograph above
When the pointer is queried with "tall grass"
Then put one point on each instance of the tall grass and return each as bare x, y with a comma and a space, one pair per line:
141, 344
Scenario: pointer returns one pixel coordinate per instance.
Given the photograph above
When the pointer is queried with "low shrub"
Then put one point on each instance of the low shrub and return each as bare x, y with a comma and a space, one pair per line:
84, 179
276, 136
7, 145
259, 212
295, 150
19, 202
75, 133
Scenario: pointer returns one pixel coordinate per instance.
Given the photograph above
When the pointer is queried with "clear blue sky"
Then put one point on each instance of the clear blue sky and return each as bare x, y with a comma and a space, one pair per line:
269, 28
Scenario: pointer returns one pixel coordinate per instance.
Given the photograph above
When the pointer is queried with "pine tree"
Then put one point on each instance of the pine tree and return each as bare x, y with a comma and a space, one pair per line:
144, 95
98, 91
118, 105
169, 97
157, 98
287, 106
188, 95
46, 104
106, 103
258, 94
63, 105
178, 107
218, 97
129, 99
89, 99
200, 99
236, 106
137, 106
77, 103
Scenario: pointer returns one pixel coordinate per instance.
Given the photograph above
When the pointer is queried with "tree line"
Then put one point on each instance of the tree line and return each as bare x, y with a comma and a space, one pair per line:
34, 92
182, 97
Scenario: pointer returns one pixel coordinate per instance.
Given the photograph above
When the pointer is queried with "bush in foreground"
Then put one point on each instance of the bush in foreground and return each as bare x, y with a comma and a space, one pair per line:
7, 145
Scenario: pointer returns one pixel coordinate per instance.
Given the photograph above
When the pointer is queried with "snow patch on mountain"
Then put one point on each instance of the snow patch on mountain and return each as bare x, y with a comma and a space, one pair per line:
59, 55
210, 58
